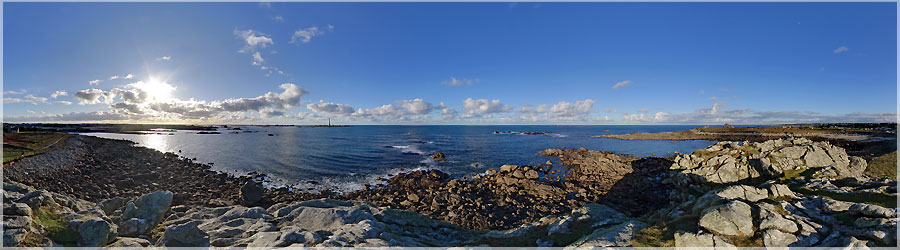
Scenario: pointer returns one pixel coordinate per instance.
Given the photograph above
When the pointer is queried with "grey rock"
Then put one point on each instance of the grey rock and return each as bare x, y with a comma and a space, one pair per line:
10, 222
873, 210
684, 239
109, 206
184, 235
17, 209
96, 232
148, 209
776, 238
12, 237
129, 242
133, 227
615, 236
732, 219
773, 220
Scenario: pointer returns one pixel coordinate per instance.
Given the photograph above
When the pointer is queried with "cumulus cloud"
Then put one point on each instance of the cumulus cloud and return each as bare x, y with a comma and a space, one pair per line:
479, 107
621, 84
93, 96
253, 40
26, 99
460, 82
258, 60
58, 93
717, 114
94, 82
331, 108
841, 49
563, 110
304, 35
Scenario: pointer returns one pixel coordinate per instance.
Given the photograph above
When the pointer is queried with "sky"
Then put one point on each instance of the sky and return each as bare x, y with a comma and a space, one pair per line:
450, 63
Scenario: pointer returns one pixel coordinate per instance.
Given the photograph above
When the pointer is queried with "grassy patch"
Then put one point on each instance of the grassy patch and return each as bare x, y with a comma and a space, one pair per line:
20, 145
744, 241
883, 166
662, 233
55, 228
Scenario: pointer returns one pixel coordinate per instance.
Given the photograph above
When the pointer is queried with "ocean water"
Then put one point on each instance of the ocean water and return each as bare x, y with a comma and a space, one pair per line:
345, 158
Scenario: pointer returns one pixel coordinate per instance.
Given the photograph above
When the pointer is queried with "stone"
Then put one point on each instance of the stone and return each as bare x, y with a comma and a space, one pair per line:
17, 209
148, 210
559, 226
251, 193
12, 237
129, 242
873, 210
731, 219
412, 197
508, 168
184, 235
10, 222
96, 232
776, 238
531, 174
615, 236
112, 204
518, 174
772, 220
684, 239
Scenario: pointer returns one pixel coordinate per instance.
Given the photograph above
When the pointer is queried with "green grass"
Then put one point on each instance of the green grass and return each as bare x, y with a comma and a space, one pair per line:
883, 200
55, 228
662, 233
20, 145
883, 166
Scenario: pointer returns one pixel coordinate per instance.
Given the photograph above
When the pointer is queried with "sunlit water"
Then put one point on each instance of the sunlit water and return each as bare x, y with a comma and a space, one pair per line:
345, 158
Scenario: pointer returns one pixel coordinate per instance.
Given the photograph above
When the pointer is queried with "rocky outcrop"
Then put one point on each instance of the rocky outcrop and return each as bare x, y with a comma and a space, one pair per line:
730, 162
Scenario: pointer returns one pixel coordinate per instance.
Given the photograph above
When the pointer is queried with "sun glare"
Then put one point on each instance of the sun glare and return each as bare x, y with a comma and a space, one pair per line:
156, 90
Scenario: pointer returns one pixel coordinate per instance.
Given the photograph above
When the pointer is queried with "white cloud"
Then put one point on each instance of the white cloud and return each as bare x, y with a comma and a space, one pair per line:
478, 107
279, 19
331, 108
164, 58
841, 49
621, 84
127, 76
63, 102
304, 35
93, 96
258, 60
459, 82
26, 99
13, 92
58, 93
94, 82
568, 109
253, 40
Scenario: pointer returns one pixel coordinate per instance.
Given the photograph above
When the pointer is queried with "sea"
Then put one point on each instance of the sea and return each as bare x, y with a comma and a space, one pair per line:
346, 158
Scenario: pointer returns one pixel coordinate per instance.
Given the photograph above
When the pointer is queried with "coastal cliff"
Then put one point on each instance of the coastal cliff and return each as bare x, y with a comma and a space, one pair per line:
772, 193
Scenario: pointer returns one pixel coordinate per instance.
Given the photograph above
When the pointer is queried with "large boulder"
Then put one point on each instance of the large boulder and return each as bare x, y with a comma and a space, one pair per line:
251, 193
616, 236
145, 212
96, 232
731, 219
184, 235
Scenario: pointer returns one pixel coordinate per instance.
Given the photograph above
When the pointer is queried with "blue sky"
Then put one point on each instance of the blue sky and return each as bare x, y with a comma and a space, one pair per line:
450, 63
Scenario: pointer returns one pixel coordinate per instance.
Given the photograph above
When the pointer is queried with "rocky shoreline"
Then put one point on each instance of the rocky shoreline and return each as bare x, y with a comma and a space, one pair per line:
774, 193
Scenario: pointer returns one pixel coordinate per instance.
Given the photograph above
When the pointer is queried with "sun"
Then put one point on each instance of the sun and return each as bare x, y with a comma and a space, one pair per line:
156, 90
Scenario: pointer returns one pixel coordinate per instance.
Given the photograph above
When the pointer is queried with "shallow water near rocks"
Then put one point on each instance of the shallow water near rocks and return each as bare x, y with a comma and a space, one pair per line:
346, 158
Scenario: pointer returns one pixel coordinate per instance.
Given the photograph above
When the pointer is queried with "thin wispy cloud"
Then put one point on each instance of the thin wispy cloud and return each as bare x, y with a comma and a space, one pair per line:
114, 77
621, 84
253, 40
58, 93
304, 35
460, 82
13, 92
279, 19
26, 99
164, 58
841, 49
94, 82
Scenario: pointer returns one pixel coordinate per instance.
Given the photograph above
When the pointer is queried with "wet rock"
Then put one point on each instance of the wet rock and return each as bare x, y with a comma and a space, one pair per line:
251, 193
438, 156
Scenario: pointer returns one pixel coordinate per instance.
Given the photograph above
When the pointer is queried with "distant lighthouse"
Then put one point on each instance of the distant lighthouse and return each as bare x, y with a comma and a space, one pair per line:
329, 122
